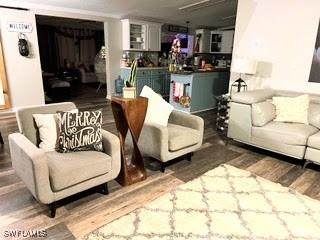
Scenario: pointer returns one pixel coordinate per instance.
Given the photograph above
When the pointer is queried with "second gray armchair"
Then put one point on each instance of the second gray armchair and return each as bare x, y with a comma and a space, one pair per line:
181, 137
51, 176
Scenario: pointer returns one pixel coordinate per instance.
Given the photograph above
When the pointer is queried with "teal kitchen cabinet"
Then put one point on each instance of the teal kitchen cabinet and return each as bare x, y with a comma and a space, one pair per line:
156, 78
143, 78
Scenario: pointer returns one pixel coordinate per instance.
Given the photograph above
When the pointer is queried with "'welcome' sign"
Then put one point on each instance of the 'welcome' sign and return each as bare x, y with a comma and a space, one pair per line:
19, 27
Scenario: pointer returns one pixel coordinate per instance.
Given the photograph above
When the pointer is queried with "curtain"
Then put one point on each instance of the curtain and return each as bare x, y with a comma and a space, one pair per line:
48, 48
63, 45
87, 47
67, 46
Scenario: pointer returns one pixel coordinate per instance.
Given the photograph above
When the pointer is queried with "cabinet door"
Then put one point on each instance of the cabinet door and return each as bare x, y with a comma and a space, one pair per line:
143, 78
157, 80
154, 37
227, 41
134, 35
216, 39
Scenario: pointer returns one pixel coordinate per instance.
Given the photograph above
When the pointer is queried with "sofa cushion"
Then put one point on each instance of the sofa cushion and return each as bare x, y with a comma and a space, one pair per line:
292, 109
314, 115
262, 113
314, 141
288, 133
181, 137
68, 169
253, 96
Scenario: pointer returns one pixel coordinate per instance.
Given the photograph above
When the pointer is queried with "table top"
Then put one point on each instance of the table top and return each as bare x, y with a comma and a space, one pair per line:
122, 99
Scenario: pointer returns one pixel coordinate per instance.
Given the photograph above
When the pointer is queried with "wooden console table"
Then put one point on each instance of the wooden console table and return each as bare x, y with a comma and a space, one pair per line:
129, 114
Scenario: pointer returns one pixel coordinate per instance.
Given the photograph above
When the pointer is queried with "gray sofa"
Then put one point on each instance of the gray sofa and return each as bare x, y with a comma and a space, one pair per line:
51, 176
251, 122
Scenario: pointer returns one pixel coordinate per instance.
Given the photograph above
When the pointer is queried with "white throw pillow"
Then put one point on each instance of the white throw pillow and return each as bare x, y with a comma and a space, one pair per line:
158, 110
48, 126
292, 109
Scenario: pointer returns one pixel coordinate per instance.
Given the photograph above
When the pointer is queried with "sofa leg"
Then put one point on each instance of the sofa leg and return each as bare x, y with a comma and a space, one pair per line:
162, 166
52, 209
103, 189
306, 162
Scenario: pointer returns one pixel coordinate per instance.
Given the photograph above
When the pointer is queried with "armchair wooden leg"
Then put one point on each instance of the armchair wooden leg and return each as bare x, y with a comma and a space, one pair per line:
52, 209
189, 156
1, 139
305, 164
162, 166
103, 189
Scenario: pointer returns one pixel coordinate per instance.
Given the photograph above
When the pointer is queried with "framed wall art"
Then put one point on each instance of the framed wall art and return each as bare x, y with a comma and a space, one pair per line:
315, 66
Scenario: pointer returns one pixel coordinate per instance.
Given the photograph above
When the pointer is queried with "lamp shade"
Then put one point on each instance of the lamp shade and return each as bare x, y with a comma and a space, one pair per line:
244, 65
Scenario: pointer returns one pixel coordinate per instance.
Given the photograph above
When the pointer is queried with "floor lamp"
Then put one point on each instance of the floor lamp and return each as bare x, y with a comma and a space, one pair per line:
242, 66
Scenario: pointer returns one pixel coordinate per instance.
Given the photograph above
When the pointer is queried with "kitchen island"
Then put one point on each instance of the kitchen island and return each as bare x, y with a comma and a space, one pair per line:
197, 91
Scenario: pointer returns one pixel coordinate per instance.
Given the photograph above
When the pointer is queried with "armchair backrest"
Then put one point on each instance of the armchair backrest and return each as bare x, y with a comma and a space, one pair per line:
26, 123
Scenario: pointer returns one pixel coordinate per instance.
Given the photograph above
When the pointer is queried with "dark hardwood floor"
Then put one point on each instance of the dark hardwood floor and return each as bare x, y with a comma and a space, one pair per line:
18, 209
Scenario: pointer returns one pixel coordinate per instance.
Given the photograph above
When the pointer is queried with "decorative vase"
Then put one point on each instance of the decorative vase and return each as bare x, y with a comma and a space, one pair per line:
129, 92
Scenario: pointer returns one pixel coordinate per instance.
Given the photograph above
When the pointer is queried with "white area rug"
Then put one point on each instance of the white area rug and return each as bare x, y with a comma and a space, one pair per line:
224, 203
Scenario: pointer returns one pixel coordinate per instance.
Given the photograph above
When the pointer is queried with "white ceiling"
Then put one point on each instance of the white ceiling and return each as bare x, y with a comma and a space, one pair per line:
162, 10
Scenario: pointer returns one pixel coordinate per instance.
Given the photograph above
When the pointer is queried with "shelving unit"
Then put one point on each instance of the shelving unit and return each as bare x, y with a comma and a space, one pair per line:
222, 120
137, 36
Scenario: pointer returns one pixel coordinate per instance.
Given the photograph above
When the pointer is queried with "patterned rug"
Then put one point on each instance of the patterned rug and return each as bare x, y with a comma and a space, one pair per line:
224, 203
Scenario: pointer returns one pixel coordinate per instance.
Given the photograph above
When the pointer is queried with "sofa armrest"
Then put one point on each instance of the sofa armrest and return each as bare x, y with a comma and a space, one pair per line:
187, 120
253, 96
30, 164
153, 141
111, 146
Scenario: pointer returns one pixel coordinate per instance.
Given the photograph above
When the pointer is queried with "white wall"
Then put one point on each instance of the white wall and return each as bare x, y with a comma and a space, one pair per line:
23, 74
281, 35
113, 36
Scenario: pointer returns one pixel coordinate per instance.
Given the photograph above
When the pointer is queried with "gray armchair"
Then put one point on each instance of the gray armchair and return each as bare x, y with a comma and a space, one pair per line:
52, 176
181, 137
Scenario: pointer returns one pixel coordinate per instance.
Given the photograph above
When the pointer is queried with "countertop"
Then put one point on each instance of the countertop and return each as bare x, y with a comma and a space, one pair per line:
183, 72
193, 72
146, 68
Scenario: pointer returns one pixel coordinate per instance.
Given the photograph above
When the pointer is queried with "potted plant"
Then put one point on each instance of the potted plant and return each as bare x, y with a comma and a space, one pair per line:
129, 89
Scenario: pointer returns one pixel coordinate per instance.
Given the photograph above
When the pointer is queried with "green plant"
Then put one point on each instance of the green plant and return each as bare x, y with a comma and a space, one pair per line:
133, 75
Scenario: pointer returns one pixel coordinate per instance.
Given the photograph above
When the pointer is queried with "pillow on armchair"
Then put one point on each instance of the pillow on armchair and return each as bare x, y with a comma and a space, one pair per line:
158, 110
48, 126
80, 131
